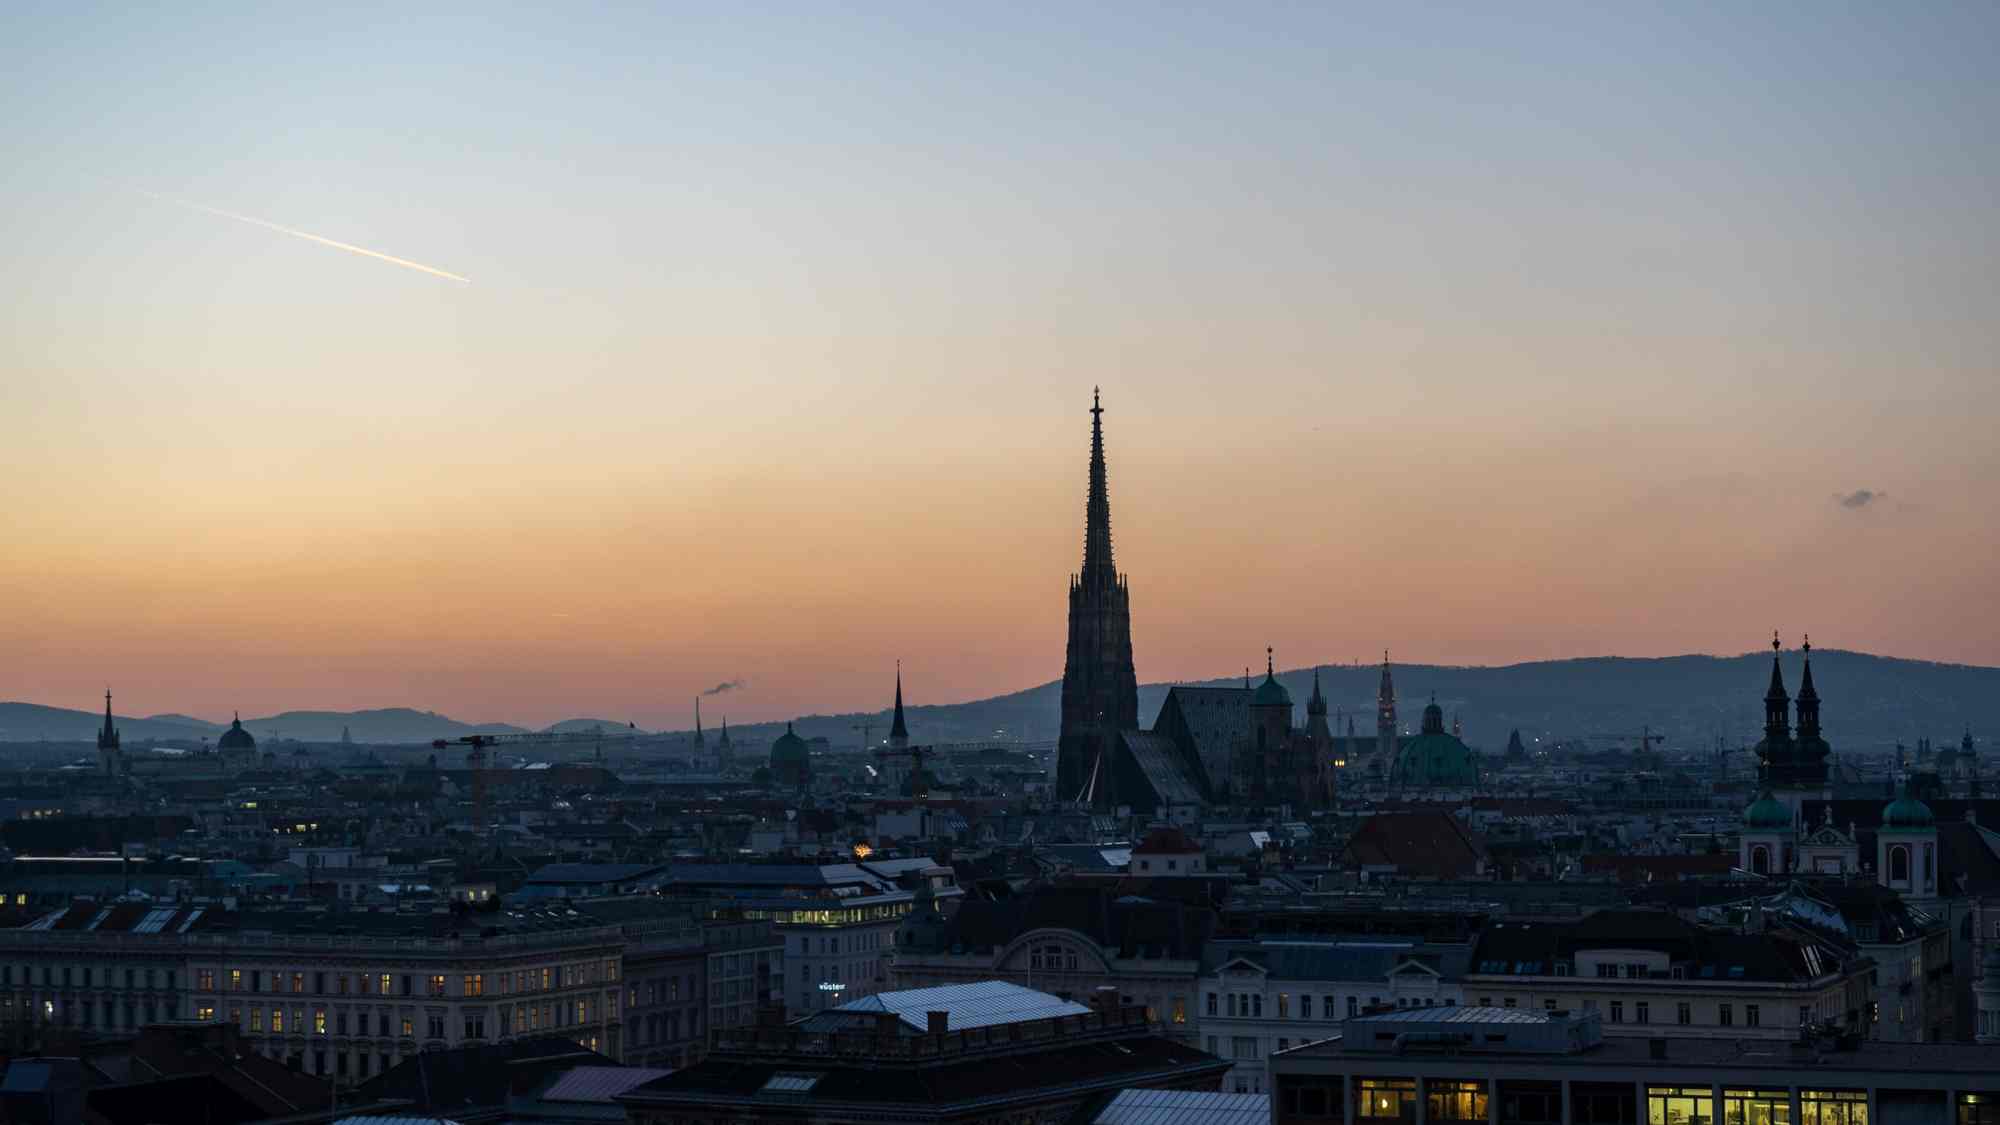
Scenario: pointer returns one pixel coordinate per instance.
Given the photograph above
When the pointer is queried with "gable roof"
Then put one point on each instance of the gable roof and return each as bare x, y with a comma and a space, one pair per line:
1427, 842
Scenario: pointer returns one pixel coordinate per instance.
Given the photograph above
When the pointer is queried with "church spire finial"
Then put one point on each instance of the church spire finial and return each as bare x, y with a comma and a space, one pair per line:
1270, 668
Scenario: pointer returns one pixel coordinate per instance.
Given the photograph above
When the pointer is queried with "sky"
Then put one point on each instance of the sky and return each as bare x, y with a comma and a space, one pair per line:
1480, 334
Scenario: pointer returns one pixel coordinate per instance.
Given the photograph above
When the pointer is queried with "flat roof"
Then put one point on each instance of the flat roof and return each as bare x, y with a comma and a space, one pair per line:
1185, 1107
978, 1004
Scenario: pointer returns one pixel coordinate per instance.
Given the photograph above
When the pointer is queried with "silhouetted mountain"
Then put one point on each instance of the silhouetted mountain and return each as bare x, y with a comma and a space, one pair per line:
382, 725
1871, 702
31, 722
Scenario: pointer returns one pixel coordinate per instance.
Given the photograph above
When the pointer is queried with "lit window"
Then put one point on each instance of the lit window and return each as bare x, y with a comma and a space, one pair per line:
1679, 1105
1833, 1107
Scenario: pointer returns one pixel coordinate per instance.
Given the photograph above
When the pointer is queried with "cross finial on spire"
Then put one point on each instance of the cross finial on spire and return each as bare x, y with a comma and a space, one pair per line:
1270, 669
1806, 646
1775, 646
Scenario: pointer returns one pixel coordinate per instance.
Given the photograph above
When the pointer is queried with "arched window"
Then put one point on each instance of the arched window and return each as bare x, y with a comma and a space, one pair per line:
1760, 860
1899, 864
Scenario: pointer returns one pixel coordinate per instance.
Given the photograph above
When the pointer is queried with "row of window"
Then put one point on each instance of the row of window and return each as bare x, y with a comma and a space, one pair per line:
1250, 1005
402, 984
86, 976
1396, 1099
518, 1018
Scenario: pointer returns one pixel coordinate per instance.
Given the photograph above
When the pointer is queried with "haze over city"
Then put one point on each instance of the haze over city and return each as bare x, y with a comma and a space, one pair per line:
757, 346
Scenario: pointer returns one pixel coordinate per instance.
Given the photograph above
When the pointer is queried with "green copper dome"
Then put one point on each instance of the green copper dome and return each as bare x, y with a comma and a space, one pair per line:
1271, 693
1768, 812
1435, 761
1907, 812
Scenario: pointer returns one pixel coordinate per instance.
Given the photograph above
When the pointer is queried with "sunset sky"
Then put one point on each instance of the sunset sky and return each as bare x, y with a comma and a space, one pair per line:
1482, 334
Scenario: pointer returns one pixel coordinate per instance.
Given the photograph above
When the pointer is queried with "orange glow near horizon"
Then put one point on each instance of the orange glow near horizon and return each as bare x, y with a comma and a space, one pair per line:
1477, 338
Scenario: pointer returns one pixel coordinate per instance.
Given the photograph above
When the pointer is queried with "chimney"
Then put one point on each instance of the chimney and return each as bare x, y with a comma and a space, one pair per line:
937, 1023
1659, 1048
888, 1023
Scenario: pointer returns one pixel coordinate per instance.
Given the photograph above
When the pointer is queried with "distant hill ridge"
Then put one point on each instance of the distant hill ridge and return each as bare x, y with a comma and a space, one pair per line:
1871, 702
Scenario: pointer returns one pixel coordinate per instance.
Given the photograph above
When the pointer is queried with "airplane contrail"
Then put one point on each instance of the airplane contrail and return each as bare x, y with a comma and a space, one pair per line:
361, 250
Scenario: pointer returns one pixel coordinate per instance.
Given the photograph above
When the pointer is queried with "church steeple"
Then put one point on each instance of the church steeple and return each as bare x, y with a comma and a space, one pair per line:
1316, 725
899, 731
1808, 697
1098, 569
107, 739
1100, 692
1777, 703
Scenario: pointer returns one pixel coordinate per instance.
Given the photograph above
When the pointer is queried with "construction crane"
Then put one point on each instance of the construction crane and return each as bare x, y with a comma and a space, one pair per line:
478, 762
475, 761
1647, 739
866, 729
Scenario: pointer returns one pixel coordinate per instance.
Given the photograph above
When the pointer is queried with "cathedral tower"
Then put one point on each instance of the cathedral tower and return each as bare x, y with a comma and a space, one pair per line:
1100, 691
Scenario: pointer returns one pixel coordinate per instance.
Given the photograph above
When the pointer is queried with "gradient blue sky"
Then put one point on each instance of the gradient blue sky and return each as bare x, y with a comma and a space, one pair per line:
1483, 333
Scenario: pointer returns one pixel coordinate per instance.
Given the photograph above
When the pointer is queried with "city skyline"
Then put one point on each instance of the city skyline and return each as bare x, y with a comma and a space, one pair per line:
776, 369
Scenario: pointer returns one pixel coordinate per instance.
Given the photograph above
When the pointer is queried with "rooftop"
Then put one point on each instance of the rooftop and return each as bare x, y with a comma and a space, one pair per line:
986, 1003
1185, 1107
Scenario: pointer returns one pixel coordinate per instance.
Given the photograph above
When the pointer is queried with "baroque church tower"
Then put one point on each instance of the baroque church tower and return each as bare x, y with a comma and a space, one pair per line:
1100, 691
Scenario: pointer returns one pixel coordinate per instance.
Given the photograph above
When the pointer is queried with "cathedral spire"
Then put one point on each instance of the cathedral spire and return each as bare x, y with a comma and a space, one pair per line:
1097, 564
899, 732
1100, 693
107, 739
1777, 702
1316, 703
